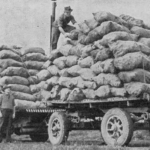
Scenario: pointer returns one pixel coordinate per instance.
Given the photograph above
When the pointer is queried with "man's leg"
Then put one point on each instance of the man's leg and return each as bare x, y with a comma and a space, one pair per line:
8, 131
69, 28
55, 37
4, 123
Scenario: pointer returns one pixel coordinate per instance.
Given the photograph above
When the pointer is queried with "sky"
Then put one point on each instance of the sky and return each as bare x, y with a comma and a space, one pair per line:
27, 22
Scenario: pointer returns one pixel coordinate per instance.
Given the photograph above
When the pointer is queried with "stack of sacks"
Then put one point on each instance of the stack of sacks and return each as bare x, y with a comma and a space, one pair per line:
36, 63
107, 57
18, 69
14, 74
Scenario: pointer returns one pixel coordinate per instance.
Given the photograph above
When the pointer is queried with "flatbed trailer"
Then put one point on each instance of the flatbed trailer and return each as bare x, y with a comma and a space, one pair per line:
116, 118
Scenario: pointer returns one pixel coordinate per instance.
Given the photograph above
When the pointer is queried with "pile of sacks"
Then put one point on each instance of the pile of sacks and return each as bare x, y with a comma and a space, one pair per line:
17, 67
107, 57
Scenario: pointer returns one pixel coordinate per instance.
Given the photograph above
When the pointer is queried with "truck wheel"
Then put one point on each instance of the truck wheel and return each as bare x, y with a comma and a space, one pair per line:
117, 127
39, 137
58, 128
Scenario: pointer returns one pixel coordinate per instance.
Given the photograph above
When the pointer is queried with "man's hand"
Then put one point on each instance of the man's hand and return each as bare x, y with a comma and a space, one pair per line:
67, 35
14, 115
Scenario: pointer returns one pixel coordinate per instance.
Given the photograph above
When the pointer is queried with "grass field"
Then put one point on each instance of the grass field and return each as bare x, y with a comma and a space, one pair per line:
78, 140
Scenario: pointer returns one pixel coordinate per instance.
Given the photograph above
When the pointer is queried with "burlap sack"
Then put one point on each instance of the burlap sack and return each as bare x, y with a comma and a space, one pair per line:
24, 96
53, 70
76, 50
145, 41
120, 48
87, 49
5, 54
86, 62
33, 80
92, 36
37, 87
118, 92
141, 31
76, 95
107, 79
77, 82
34, 64
74, 70
25, 50
106, 66
137, 88
103, 54
90, 85
131, 61
45, 95
5, 63
13, 80
60, 62
86, 74
64, 93
65, 49
64, 72
74, 34
55, 92
109, 26
32, 72
89, 93
84, 27
103, 91
24, 104
132, 21
118, 35
67, 82
54, 54
35, 57
20, 88
10, 47
43, 75
93, 53
15, 71
91, 23
53, 81
103, 16
71, 61
46, 64
137, 75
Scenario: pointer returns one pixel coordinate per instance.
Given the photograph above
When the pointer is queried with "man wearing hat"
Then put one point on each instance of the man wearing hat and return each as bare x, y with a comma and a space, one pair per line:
61, 26
7, 106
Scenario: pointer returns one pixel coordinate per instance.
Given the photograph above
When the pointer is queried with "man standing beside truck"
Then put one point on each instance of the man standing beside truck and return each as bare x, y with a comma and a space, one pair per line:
7, 106
61, 26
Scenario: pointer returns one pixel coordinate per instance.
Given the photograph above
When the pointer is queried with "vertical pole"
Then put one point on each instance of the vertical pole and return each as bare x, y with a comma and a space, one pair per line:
52, 19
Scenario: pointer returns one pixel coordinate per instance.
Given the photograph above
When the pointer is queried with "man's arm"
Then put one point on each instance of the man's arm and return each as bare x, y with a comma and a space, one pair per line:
60, 25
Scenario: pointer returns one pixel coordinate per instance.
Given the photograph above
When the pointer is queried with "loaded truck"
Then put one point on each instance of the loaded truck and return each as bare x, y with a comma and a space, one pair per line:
115, 117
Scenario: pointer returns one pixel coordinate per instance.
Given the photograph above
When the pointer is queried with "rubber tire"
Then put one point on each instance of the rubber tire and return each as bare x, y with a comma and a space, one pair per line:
39, 137
64, 123
127, 127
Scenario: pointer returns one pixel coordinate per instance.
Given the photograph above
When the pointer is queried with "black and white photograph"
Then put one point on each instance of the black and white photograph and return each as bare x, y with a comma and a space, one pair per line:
74, 75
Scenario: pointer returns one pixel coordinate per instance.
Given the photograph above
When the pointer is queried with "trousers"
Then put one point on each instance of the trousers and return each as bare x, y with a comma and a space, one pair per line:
6, 124
56, 34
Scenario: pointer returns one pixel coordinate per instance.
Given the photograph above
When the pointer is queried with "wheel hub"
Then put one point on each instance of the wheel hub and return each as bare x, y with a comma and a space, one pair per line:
114, 127
56, 128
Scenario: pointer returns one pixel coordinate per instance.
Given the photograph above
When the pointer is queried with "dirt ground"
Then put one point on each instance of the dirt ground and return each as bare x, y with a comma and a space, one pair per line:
78, 140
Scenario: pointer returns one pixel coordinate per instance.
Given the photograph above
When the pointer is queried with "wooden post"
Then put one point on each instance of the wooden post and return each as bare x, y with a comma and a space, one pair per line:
52, 19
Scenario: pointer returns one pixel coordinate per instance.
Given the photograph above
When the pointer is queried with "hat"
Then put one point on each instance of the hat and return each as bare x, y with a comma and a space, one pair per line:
68, 8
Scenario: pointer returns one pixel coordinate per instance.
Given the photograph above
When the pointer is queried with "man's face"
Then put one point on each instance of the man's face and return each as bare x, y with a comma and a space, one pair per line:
7, 91
67, 13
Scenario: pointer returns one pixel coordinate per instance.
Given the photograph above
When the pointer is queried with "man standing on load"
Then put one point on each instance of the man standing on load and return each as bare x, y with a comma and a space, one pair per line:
61, 26
7, 106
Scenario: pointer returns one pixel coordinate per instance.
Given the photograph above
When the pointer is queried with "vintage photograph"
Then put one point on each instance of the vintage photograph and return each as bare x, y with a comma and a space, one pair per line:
74, 75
